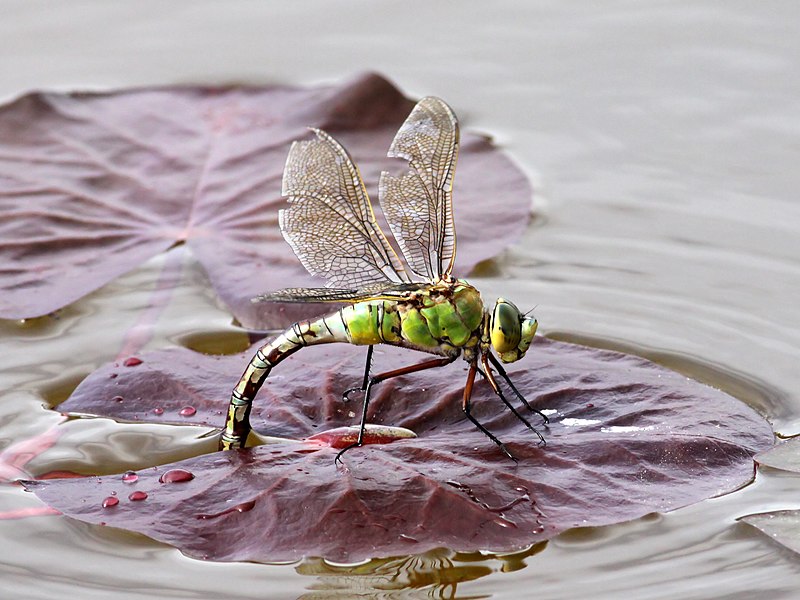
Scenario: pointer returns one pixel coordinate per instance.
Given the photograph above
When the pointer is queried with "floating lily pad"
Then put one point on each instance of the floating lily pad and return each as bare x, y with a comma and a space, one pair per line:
783, 526
92, 185
626, 438
784, 456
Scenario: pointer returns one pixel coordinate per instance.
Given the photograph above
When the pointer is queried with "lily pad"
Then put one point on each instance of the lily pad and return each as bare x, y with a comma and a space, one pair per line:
94, 184
626, 438
784, 456
783, 526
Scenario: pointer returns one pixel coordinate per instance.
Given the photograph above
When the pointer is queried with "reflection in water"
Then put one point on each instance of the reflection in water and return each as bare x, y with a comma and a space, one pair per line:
434, 574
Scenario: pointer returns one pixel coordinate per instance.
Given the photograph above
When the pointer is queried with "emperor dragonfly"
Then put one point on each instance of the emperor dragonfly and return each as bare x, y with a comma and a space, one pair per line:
331, 227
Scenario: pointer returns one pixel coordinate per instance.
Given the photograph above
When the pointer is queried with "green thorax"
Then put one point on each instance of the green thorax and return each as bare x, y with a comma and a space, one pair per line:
443, 316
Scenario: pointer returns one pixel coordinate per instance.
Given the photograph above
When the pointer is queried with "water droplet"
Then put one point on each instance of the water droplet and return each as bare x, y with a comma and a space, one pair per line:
130, 477
110, 501
132, 361
245, 506
187, 411
176, 476
112, 376
158, 411
118, 398
137, 495
113, 493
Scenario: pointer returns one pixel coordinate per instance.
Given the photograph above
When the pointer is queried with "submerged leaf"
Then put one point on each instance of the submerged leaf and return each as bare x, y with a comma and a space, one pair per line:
626, 438
93, 185
783, 526
785, 456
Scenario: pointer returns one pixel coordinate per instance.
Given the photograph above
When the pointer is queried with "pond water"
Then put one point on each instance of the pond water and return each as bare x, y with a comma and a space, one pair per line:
662, 140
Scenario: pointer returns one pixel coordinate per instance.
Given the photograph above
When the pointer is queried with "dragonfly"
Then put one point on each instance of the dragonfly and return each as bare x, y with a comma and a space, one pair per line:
414, 303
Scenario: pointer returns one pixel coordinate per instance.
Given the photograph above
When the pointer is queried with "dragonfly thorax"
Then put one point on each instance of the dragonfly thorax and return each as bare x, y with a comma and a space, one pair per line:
510, 332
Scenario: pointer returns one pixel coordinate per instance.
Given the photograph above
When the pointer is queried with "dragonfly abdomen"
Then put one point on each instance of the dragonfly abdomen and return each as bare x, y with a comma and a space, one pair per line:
364, 323
369, 323
237, 422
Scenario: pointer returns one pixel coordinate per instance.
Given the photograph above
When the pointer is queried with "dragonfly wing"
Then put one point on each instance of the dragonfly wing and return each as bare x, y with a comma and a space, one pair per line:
372, 292
329, 223
418, 204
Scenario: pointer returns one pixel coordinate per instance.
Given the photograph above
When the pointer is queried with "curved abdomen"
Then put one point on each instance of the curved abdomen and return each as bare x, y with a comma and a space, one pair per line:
365, 323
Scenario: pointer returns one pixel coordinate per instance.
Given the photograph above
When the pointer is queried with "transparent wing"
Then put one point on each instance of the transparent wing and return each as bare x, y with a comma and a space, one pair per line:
418, 205
373, 292
329, 222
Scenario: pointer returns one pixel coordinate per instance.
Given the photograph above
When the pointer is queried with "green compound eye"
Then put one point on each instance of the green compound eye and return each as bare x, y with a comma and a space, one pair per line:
505, 331
529, 327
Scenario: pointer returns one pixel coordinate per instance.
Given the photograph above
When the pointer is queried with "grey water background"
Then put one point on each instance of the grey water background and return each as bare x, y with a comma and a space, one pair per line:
663, 141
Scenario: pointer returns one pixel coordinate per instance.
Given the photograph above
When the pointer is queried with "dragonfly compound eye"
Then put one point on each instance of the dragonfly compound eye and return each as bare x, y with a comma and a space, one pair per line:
506, 327
529, 327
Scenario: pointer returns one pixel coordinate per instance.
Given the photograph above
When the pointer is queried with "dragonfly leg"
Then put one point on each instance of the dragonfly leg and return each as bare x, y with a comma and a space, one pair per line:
466, 406
347, 392
428, 364
487, 373
504, 375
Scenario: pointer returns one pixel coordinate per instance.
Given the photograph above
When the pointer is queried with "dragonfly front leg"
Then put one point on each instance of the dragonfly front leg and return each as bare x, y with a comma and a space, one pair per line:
473, 368
487, 373
429, 364
367, 369
505, 376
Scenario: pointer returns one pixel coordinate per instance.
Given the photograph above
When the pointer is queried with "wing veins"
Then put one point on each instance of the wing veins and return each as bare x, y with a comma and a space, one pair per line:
420, 200
328, 202
355, 224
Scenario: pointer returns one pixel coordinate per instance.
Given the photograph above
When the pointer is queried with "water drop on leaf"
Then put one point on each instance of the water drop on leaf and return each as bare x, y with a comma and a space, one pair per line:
130, 477
176, 476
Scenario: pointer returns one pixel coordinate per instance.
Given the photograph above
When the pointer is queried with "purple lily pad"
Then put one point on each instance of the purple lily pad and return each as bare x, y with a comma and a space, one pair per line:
93, 185
627, 437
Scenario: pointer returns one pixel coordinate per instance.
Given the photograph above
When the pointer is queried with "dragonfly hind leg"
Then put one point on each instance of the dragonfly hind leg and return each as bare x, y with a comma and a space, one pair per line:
473, 368
371, 381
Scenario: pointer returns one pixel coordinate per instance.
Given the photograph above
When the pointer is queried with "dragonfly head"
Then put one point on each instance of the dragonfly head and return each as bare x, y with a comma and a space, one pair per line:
510, 332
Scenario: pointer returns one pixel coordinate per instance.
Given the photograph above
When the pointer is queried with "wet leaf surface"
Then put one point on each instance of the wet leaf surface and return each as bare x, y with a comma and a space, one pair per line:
783, 526
93, 185
626, 438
